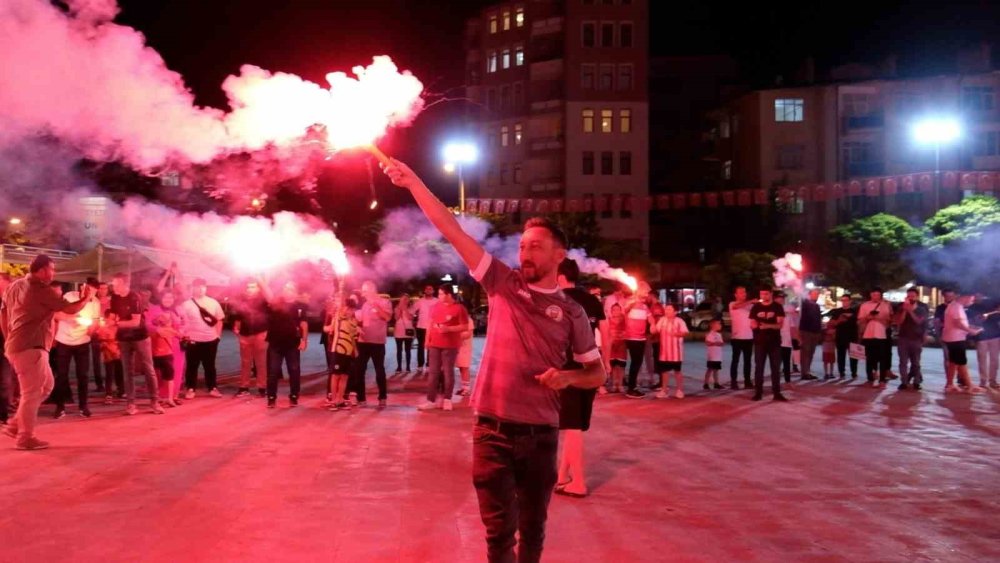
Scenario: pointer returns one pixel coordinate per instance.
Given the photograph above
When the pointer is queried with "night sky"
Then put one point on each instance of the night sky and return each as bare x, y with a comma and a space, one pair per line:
207, 40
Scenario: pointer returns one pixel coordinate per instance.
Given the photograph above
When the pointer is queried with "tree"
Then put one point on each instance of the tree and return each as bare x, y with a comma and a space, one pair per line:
868, 252
960, 246
752, 270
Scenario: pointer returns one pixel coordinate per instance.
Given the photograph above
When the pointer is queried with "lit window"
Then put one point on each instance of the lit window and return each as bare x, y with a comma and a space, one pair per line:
506, 21
625, 120
519, 56
493, 24
607, 118
587, 76
504, 136
588, 121
505, 59
625, 163
625, 77
625, 34
789, 109
589, 34
491, 62
517, 133
607, 163
519, 17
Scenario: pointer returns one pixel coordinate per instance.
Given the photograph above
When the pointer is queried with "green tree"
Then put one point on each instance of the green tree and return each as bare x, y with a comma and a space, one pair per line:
960, 245
871, 251
750, 269
963, 221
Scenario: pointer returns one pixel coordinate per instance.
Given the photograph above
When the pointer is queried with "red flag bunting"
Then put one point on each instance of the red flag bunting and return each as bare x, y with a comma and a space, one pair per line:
556, 205
485, 205
528, 205
513, 205
627, 203
663, 202
805, 193
646, 203
969, 181
542, 206
695, 200
588, 204
679, 201
760, 197
908, 184
925, 182
616, 203
500, 206
573, 205
601, 203
472, 205
889, 186
743, 197
729, 198
837, 191
949, 180
712, 199
871, 188
820, 192
854, 188
785, 195
985, 183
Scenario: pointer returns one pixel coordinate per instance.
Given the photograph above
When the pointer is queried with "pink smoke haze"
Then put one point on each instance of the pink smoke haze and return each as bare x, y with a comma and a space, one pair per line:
788, 272
600, 268
97, 86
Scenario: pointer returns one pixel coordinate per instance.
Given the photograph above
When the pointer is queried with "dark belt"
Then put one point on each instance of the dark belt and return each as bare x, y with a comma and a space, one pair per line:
513, 428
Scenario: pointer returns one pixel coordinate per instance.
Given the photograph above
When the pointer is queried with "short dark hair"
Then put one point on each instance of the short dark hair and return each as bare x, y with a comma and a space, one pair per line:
447, 288
780, 294
40, 262
541, 222
570, 270
874, 289
913, 290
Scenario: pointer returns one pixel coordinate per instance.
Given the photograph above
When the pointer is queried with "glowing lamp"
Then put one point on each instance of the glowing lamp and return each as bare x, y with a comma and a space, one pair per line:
460, 153
937, 131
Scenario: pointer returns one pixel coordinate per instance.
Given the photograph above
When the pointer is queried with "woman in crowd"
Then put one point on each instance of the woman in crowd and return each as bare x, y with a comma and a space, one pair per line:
164, 326
464, 360
403, 331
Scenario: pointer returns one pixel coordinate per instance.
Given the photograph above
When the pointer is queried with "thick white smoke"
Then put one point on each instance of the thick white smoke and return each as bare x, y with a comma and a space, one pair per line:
600, 268
788, 273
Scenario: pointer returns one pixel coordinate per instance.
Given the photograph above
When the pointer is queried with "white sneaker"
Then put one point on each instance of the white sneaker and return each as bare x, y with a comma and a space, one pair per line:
679, 394
131, 410
353, 399
446, 405
189, 395
214, 393
602, 390
662, 394
427, 406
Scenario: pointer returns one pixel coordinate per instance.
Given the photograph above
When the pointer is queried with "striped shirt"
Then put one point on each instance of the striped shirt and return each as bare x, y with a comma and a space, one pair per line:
672, 333
345, 337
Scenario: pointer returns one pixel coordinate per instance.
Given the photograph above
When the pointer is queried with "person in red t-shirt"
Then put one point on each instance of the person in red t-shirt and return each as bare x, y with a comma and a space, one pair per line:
448, 321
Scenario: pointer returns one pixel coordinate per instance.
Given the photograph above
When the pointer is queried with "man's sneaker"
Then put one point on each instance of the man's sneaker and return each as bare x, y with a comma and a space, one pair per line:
31, 444
10, 430
706, 387
747, 384
951, 388
842, 375
333, 407
382, 403
243, 392
131, 410
780, 398
329, 399
808, 377
656, 387
214, 393
271, 403
361, 404
734, 386
189, 395
157, 409
109, 400
293, 400
261, 393
717, 386
916, 387
353, 399
756, 397
903, 387
446, 405
662, 394
679, 394
427, 406
85, 412
634, 394
60, 412
994, 385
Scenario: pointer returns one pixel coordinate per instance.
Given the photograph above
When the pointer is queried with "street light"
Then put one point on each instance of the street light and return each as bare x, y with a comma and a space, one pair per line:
937, 131
457, 154
15, 221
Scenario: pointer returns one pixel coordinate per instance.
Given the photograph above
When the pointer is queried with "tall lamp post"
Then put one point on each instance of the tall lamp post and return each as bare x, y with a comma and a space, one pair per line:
937, 131
456, 155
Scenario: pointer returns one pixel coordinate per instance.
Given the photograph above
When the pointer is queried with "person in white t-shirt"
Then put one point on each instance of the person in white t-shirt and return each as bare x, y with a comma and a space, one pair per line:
954, 334
786, 336
671, 330
742, 337
422, 309
713, 352
72, 343
874, 317
201, 318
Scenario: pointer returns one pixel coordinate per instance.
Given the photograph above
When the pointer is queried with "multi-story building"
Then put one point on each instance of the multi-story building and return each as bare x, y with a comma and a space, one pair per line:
561, 87
837, 132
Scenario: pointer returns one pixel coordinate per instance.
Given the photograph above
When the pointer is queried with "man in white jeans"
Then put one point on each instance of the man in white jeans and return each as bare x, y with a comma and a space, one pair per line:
30, 304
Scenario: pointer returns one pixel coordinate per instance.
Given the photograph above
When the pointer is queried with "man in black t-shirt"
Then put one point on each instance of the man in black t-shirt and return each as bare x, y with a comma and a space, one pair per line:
576, 405
287, 338
844, 319
766, 318
250, 325
133, 339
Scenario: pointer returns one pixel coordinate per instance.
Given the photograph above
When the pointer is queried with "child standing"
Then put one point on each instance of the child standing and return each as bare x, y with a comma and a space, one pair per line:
111, 356
618, 357
829, 351
342, 327
671, 329
713, 343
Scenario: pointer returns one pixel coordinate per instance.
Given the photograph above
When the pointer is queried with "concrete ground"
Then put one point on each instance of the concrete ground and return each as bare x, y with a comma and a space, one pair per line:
843, 472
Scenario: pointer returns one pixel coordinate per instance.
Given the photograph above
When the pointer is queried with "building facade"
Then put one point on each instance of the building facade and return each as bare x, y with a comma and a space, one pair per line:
562, 106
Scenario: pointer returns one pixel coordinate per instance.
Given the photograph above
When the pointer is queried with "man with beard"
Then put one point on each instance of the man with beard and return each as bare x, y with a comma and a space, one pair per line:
532, 325
766, 318
844, 319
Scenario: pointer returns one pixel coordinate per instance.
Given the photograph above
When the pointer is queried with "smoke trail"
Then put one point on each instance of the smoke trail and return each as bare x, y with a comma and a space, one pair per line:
600, 268
788, 273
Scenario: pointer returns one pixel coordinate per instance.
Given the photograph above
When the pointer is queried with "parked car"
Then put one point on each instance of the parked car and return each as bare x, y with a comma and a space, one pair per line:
699, 318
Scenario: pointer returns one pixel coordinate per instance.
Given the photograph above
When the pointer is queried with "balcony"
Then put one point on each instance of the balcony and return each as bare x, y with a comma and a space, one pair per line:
873, 121
547, 26
863, 169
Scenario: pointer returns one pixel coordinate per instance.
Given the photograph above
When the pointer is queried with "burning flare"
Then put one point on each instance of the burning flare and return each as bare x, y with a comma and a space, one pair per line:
602, 269
788, 272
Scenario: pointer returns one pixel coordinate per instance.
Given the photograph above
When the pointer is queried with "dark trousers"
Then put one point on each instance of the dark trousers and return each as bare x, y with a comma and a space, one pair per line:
290, 357
843, 346
375, 353
6, 376
875, 360
421, 354
202, 353
636, 353
114, 372
740, 348
403, 344
95, 363
767, 351
786, 363
514, 476
886, 364
80, 356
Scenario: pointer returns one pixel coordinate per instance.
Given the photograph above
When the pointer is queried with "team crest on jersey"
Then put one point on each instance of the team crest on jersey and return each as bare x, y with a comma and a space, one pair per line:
554, 312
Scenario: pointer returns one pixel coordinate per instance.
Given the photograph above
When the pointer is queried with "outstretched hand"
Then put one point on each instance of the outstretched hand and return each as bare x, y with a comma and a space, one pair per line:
401, 175
553, 379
